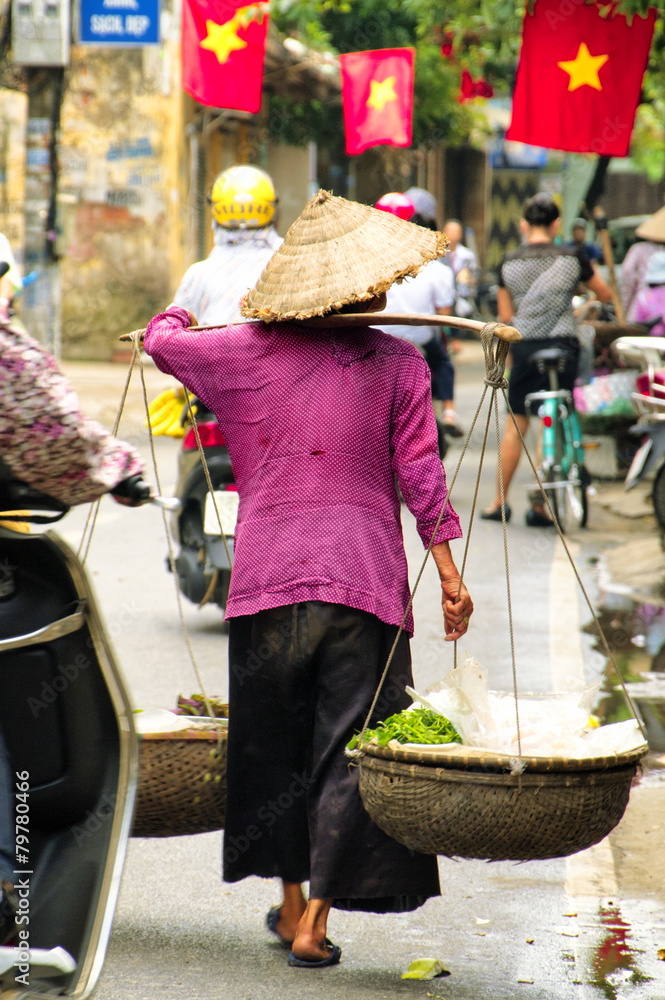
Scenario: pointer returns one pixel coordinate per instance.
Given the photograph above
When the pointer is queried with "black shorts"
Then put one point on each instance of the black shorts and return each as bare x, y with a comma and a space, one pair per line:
525, 377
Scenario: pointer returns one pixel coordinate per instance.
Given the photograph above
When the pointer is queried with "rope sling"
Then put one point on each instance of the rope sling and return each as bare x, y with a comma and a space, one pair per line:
182, 777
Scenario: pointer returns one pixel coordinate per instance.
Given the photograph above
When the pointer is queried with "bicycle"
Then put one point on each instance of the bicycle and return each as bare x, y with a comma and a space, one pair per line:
563, 473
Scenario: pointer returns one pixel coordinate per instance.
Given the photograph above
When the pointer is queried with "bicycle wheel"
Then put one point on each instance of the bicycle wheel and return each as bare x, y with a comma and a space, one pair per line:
568, 496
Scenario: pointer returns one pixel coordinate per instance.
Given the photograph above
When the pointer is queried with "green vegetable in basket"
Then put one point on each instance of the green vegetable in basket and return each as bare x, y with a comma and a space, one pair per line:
417, 725
196, 706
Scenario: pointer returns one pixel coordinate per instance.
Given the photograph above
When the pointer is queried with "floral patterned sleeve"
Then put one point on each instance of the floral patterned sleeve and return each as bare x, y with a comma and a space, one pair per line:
45, 439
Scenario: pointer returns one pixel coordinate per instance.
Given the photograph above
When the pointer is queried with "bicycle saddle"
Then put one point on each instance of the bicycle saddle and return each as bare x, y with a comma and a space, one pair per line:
549, 357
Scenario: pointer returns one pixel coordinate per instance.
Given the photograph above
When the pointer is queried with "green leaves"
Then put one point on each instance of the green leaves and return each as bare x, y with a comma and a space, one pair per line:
418, 725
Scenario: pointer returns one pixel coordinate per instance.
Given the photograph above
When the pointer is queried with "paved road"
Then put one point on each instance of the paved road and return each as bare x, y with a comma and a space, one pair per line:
577, 929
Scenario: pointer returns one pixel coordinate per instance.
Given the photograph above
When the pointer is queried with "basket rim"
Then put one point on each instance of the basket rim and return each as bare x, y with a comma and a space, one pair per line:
473, 777
454, 756
201, 729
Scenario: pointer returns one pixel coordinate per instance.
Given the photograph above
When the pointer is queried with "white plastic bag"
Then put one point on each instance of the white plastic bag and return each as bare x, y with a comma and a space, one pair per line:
550, 725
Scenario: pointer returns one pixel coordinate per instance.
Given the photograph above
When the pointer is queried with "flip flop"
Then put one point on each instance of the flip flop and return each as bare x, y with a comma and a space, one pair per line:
272, 919
495, 513
534, 519
332, 959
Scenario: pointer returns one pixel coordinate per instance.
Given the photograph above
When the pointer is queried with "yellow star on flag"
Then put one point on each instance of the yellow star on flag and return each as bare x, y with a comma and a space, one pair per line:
583, 69
222, 39
381, 93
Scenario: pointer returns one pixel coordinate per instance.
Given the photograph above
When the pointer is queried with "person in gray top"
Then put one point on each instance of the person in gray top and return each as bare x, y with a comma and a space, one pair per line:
536, 285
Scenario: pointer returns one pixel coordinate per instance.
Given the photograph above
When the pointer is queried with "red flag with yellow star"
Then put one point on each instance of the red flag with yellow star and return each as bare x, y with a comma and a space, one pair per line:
377, 97
579, 78
223, 45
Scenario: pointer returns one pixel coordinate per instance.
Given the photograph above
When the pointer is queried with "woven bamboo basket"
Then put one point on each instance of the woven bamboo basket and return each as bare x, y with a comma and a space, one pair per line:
465, 803
182, 781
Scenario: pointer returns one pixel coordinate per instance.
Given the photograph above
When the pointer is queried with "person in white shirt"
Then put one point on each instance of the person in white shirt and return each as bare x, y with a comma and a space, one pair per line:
431, 291
460, 259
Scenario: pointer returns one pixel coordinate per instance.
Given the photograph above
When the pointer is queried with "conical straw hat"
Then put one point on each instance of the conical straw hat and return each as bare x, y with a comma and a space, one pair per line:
653, 228
338, 252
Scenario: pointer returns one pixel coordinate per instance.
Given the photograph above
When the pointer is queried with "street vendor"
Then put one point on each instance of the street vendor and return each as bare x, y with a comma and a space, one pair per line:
320, 420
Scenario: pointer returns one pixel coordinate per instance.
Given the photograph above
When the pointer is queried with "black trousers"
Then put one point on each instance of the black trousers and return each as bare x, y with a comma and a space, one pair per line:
301, 680
441, 367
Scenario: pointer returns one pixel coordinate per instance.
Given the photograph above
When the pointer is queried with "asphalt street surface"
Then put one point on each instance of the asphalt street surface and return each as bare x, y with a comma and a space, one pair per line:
586, 927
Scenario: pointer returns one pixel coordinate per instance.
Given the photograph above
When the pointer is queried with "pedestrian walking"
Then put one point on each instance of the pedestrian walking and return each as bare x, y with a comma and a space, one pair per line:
651, 239
432, 292
320, 421
462, 262
536, 286
649, 303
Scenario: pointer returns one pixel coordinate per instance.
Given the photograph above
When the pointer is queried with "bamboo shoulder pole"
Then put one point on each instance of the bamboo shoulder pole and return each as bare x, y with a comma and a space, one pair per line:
507, 333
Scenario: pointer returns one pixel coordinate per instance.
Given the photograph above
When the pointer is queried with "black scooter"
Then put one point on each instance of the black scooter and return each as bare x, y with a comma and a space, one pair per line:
71, 755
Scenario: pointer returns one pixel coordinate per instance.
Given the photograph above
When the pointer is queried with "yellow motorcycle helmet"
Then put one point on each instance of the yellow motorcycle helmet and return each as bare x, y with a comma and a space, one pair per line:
243, 197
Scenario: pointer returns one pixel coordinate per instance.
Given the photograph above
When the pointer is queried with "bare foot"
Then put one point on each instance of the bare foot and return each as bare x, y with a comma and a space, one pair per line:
291, 911
310, 947
287, 925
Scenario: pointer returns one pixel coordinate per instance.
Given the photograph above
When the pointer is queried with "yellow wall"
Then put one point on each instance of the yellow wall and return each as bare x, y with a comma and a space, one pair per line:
120, 187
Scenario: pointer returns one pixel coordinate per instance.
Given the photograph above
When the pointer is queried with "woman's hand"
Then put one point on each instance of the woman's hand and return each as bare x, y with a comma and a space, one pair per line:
456, 601
457, 608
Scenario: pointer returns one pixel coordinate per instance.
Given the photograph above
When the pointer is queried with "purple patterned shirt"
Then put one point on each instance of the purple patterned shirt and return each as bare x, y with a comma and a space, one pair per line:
318, 424
44, 437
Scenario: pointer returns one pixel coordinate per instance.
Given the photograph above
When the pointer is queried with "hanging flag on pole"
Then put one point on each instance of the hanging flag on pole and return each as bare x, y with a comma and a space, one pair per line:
579, 78
223, 46
377, 97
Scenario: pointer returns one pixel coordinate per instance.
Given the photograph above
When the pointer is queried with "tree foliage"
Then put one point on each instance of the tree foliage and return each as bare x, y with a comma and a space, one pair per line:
484, 36
355, 25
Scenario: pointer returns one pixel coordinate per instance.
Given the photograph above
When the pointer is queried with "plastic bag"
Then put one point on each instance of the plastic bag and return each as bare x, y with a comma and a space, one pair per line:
550, 725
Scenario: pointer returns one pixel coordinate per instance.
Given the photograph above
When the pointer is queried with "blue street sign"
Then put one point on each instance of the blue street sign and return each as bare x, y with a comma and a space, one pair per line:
119, 22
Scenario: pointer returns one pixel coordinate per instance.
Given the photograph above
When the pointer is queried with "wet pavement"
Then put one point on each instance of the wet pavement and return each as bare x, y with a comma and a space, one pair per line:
588, 927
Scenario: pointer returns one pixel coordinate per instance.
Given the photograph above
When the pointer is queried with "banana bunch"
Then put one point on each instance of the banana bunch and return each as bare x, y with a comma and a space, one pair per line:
165, 410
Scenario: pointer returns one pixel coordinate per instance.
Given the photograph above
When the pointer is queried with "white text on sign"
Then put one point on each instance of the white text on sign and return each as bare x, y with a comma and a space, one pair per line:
135, 25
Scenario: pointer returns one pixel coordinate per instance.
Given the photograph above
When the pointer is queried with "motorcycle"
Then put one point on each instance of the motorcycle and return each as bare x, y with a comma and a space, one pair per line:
649, 403
205, 523
70, 754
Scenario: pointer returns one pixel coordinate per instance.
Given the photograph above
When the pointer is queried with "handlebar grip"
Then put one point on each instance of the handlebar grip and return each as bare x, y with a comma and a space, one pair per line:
133, 488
